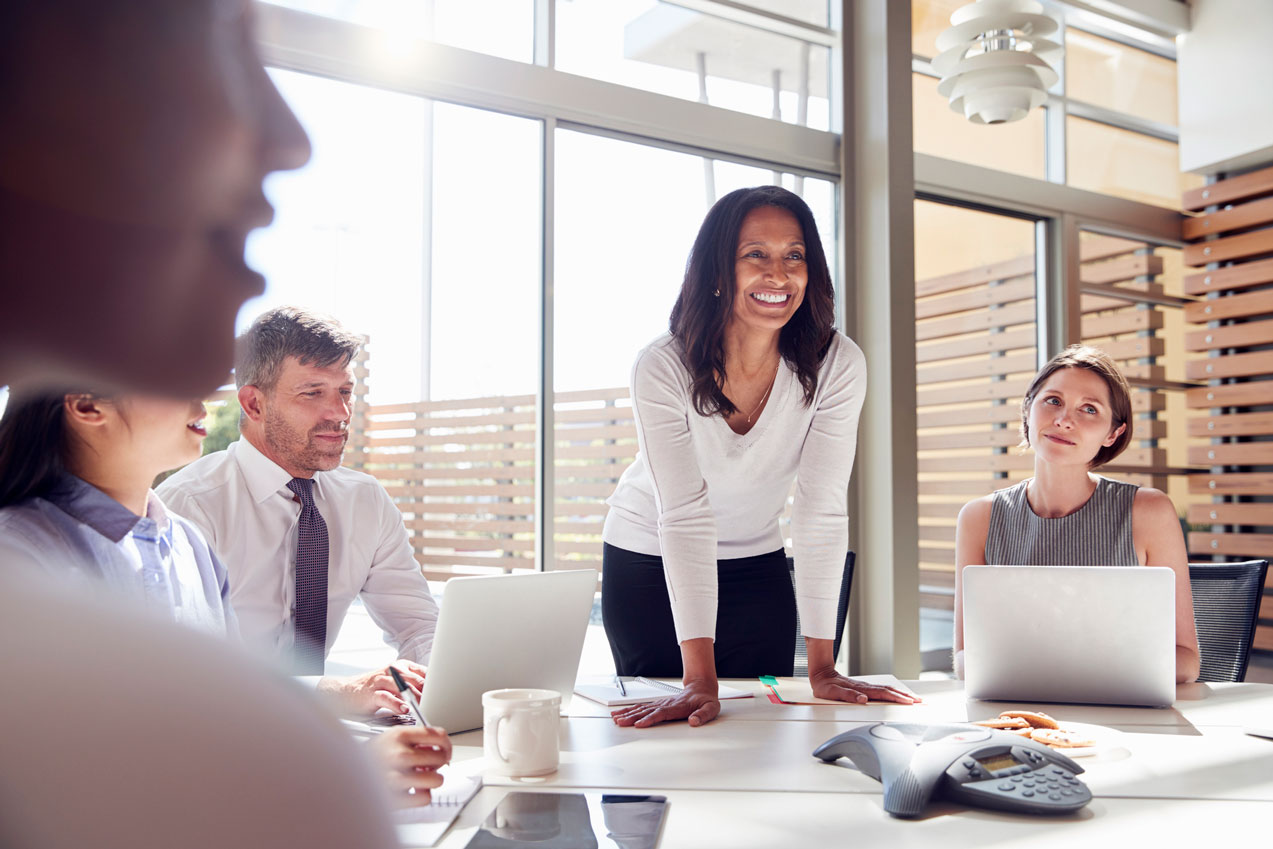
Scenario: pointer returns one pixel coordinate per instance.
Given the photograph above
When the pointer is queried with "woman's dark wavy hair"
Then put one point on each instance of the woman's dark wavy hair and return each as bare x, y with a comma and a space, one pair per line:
699, 315
33, 446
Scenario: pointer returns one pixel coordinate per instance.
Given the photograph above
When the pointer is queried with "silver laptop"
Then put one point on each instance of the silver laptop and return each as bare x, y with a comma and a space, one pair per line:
1087, 634
505, 631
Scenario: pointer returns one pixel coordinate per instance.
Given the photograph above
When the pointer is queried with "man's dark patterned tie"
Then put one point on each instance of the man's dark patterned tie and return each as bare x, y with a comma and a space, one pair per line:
311, 582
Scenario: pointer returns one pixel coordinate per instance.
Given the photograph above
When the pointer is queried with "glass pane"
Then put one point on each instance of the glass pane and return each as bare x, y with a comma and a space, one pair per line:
1106, 73
618, 269
1017, 148
1129, 165
975, 355
389, 228
672, 50
929, 18
1147, 340
504, 28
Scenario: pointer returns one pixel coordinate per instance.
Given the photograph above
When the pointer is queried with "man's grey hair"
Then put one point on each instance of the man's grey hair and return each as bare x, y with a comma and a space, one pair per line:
313, 338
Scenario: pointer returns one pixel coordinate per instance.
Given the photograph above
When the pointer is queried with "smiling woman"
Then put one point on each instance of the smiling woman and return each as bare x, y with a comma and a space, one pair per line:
751, 388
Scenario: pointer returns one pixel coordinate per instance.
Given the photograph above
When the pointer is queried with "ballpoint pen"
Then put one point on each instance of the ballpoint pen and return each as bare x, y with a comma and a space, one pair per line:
618, 682
408, 697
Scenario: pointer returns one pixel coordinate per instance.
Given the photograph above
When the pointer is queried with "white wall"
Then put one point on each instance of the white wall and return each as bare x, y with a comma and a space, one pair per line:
1225, 73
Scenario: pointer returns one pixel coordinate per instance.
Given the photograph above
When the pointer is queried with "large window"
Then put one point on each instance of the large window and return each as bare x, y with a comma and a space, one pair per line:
417, 224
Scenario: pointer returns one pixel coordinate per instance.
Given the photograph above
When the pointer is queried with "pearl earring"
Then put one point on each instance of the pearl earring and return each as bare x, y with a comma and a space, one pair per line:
718, 293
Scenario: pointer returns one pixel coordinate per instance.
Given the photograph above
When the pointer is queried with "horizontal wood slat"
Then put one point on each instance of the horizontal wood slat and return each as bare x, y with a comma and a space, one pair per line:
1230, 395
984, 367
1135, 347
1001, 438
1235, 365
1229, 248
1242, 545
1013, 388
1130, 321
1016, 290
1231, 306
975, 486
1235, 218
1009, 462
978, 276
1236, 424
985, 343
1234, 277
1238, 483
1232, 454
1124, 268
1231, 514
984, 414
1006, 316
1231, 190
1232, 336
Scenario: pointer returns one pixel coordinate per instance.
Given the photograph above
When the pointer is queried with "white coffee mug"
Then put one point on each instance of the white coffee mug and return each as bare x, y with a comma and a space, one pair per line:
520, 731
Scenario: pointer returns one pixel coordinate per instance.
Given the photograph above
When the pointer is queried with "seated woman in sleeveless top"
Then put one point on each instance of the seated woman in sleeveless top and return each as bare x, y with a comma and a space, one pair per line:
1076, 415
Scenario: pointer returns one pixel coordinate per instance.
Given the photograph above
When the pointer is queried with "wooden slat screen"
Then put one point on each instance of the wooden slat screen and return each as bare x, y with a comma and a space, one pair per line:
463, 473
1232, 337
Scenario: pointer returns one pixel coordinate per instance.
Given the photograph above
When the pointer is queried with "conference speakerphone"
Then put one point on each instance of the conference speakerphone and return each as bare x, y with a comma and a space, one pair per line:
960, 763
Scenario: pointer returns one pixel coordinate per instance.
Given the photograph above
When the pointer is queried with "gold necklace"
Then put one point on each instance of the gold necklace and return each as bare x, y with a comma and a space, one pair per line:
772, 381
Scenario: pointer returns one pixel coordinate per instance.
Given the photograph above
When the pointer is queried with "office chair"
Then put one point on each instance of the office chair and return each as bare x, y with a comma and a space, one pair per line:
1226, 605
841, 613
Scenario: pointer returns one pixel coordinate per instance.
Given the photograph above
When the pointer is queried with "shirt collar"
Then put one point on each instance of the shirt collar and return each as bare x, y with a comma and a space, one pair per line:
88, 505
264, 477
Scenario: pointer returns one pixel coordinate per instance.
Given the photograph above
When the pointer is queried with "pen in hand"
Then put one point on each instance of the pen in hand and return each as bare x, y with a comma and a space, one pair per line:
409, 697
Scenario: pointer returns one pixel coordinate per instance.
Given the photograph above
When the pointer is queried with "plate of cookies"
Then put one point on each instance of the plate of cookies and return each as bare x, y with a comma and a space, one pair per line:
1074, 739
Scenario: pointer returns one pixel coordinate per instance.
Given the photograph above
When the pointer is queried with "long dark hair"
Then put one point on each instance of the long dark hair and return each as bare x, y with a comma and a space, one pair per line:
699, 317
33, 446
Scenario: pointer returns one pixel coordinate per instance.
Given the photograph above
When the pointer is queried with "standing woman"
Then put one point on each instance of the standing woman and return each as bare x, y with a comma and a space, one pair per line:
1076, 415
751, 388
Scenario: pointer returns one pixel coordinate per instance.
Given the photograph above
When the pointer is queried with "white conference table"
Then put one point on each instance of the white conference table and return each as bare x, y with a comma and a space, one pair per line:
748, 779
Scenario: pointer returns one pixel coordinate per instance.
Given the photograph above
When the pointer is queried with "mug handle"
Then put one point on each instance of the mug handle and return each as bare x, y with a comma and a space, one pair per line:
502, 718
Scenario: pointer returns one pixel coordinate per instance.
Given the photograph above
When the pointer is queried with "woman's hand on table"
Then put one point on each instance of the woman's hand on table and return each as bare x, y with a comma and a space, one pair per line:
697, 701
829, 684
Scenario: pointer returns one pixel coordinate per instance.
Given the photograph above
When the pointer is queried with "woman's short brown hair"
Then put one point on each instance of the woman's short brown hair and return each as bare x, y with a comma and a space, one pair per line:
1120, 395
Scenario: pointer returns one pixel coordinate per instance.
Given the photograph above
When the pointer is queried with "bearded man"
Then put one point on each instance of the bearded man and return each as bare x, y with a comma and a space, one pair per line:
301, 535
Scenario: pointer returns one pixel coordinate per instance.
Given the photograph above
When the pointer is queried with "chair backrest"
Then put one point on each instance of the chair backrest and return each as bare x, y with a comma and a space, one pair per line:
841, 613
1226, 605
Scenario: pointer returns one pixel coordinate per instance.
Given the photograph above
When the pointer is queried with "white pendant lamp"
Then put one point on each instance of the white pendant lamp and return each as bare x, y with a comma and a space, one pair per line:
993, 61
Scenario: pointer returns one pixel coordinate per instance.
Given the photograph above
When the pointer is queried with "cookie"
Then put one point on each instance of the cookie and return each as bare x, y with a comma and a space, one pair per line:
1034, 719
1059, 739
1004, 723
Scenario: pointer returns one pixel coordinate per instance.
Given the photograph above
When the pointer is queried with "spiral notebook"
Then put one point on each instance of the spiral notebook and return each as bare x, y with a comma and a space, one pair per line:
640, 690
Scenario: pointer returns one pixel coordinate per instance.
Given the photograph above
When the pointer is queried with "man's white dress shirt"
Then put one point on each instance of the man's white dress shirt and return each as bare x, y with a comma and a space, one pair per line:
240, 500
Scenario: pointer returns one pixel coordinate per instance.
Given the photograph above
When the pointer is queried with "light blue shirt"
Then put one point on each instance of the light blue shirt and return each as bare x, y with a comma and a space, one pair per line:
79, 533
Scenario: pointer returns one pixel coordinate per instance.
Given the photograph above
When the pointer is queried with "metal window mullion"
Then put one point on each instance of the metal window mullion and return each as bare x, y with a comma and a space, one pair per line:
545, 420
1058, 312
546, 33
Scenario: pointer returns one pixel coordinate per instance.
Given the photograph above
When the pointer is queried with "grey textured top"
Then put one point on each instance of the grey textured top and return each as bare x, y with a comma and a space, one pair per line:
1097, 534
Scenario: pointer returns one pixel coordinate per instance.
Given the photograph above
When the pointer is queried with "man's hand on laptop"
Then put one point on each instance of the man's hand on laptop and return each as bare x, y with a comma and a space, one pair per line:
363, 695
408, 757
